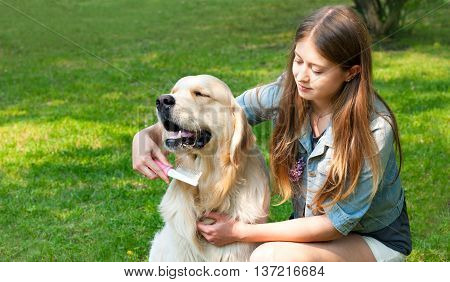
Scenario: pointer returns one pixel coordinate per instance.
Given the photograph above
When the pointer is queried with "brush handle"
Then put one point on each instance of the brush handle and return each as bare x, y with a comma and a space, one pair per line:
182, 176
163, 166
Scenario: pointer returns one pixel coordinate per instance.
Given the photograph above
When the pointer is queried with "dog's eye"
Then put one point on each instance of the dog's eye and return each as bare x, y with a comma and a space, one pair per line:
199, 94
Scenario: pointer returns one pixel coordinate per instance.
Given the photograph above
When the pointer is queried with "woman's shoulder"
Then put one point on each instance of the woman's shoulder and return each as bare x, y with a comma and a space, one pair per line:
381, 117
382, 125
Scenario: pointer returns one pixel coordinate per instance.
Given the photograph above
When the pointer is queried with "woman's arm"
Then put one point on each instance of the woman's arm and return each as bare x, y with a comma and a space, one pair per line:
261, 103
310, 229
305, 229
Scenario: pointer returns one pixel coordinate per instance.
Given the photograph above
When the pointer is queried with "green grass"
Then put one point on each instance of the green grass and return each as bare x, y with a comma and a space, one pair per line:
67, 190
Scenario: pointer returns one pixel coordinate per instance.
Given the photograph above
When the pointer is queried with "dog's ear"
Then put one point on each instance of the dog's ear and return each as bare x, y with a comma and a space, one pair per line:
242, 139
241, 142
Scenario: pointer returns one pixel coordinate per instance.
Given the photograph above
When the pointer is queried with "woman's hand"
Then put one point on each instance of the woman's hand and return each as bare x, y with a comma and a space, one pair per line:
223, 231
145, 149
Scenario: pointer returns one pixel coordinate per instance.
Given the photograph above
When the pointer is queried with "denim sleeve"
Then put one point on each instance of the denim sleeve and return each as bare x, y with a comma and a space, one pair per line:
261, 103
346, 213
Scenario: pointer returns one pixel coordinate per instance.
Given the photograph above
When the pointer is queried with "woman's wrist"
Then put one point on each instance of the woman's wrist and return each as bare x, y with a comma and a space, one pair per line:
154, 133
243, 233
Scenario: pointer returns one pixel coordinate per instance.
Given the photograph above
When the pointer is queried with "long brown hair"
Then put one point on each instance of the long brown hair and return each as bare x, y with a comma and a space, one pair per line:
342, 38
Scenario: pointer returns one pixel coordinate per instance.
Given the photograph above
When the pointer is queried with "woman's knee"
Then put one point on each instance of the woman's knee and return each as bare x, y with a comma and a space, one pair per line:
263, 252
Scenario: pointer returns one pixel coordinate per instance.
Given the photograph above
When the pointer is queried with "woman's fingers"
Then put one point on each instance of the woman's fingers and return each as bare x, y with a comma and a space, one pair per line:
215, 216
140, 167
150, 169
208, 238
148, 161
146, 172
161, 157
210, 234
206, 230
203, 228
145, 149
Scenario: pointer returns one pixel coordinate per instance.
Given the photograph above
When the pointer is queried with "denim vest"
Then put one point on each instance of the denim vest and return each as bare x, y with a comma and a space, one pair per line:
358, 212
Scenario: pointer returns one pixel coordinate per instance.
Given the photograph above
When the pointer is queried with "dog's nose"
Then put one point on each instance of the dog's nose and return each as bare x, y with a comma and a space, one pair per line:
165, 102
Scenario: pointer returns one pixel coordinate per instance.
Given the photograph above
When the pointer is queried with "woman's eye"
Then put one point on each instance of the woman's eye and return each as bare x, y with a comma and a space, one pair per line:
316, 71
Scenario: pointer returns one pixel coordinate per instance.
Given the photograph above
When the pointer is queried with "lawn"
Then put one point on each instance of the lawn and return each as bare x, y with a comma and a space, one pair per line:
79, 78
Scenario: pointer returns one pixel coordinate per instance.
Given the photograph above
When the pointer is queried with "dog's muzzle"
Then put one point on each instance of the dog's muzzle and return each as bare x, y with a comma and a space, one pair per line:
178, 137
164, 104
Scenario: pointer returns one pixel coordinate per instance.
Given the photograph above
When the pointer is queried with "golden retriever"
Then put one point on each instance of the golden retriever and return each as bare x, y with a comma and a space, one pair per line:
208, 132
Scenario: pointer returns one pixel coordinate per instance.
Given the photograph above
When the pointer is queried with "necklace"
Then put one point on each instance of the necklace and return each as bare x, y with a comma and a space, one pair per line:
316, 122
320, 116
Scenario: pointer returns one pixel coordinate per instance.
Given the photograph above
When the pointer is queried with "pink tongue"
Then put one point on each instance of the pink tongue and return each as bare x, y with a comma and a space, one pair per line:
185, 133
173, 134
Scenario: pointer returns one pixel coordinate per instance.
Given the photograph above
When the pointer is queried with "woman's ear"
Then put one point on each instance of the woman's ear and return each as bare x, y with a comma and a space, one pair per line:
352, 72
243, 138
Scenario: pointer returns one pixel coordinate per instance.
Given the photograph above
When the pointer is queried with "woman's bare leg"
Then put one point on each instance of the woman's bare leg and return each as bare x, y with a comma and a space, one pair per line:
349, 248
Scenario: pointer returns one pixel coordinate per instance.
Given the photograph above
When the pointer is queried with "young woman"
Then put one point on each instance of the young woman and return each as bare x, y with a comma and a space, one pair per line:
332, 153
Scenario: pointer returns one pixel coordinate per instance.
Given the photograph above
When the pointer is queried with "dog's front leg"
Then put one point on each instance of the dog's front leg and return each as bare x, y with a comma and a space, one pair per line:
180, 231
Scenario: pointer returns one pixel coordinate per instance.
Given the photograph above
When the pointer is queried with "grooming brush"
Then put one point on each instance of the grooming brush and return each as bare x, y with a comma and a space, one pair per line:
180, 173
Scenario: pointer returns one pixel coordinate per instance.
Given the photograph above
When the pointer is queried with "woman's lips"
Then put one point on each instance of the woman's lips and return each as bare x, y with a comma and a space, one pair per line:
303, 88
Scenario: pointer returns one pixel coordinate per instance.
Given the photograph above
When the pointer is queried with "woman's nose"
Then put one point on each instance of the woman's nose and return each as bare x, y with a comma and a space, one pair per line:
302, 74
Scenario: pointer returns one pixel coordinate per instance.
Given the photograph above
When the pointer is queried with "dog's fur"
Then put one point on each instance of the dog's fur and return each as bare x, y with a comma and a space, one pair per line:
235, 179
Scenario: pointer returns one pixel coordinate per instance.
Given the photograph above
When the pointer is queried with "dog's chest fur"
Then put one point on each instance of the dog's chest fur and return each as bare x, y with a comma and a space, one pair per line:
183, 205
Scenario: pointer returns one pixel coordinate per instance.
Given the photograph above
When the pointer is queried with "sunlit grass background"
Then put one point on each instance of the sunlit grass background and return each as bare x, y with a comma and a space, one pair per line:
79, 78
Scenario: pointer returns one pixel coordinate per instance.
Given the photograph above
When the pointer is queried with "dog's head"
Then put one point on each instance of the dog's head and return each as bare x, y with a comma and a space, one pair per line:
200, 115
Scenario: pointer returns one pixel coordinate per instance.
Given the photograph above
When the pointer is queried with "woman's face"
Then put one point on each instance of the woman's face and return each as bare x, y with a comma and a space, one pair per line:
317, 78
